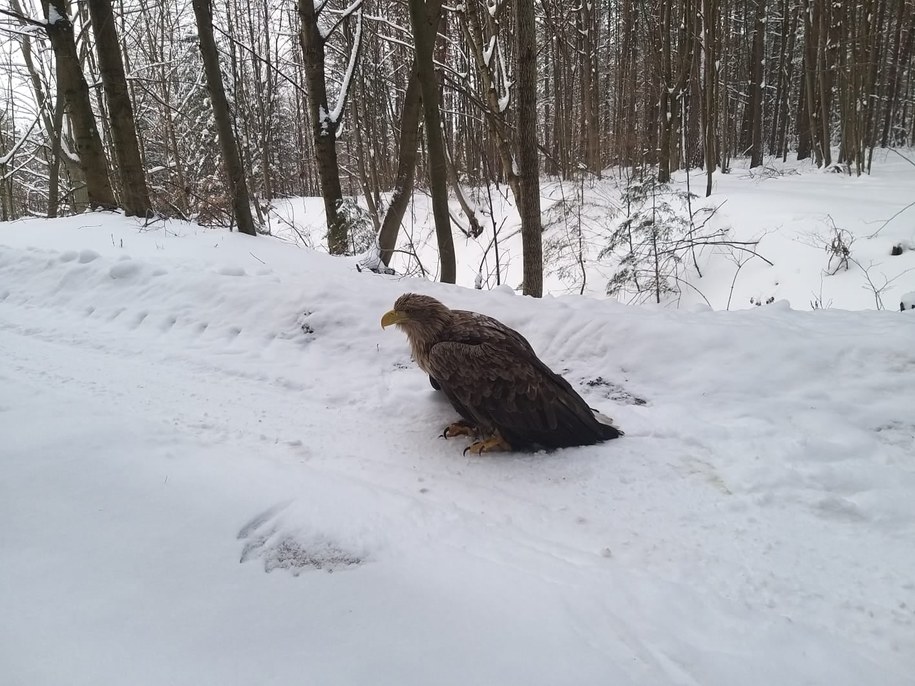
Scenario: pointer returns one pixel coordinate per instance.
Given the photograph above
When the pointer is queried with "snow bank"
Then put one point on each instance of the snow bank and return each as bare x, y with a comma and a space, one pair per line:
187, 410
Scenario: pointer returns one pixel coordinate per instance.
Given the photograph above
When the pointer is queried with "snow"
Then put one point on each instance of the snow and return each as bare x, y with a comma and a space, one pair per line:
488, 50
325, 121
217, 468
791, 209
53, 15
348, 76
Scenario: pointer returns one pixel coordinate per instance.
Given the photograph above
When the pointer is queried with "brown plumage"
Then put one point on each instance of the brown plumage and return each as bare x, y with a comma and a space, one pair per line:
494, 379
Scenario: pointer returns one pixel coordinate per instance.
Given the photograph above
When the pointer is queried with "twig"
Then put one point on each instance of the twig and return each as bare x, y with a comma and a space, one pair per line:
734, 282
883, 226
701, 294
878, 300
902, 156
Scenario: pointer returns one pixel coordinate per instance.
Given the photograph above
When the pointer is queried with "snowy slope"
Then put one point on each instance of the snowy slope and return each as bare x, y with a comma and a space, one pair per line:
184, 410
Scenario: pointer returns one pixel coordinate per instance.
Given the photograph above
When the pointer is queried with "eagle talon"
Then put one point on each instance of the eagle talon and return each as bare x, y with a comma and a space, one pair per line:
489, 445
460, 428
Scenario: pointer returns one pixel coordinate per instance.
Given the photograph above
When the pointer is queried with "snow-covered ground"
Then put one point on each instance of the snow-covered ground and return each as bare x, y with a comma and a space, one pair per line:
185, 410
789, 211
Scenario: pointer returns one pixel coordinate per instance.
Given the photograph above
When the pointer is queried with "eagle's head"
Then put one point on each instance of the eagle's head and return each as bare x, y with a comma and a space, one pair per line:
423, 319
415, 314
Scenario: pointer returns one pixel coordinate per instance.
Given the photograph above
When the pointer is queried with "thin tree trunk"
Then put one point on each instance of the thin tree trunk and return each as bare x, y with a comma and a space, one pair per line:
899, 57
238, 185
73, 86
812, 74
424, 36
324, 130
406, 157
473, 32
824, 77
710, 18
782, 148
665, 75
54, 162
406, 169
120, 110
590, 86
528, 160
756, 84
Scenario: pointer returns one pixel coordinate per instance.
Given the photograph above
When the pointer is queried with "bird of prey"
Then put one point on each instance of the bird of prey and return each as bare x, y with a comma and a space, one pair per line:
508, 399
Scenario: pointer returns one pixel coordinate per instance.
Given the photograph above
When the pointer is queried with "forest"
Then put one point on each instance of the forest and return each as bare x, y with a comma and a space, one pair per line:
211, 111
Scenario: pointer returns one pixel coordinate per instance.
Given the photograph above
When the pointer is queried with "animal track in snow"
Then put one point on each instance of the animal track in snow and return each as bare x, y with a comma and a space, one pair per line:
295, 551
896, 433
615, 392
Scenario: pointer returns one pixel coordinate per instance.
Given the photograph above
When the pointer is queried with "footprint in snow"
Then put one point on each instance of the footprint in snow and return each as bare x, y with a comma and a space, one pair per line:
615, 392
294, 550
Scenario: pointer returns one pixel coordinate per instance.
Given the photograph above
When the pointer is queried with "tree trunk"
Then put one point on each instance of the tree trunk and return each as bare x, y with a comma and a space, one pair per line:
424, 36
120, 110
496, 100
54, 161
812, 75
756, 85
665, 76
406, 157
782, 148
52, 116
324, 130
73, 86
899, 58
238, 186
528, 161
590, 86
406, 170
825, 49
710, 19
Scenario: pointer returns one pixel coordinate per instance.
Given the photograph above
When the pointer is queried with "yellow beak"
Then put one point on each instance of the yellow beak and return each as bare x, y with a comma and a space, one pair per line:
392, 317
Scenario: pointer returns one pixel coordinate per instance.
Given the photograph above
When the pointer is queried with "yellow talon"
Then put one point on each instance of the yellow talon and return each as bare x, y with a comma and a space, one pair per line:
459, 428
492, 444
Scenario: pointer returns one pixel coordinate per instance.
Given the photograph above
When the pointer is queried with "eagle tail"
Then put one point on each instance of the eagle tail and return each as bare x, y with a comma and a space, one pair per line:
606, 428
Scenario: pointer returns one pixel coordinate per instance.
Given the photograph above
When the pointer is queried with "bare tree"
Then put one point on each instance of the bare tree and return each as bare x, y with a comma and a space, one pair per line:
325, 121
238, 185
757, 83
120, 110
72, 85
411, 115
711, 11
528, 160
406, 169
424, 32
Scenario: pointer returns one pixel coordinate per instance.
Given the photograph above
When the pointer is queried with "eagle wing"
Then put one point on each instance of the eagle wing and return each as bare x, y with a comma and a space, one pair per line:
494, 379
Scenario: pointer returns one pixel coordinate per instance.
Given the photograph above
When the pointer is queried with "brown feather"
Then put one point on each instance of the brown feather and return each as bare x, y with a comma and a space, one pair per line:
494, 379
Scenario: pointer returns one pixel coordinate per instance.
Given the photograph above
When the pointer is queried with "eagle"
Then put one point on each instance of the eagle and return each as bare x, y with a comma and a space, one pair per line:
508, 399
